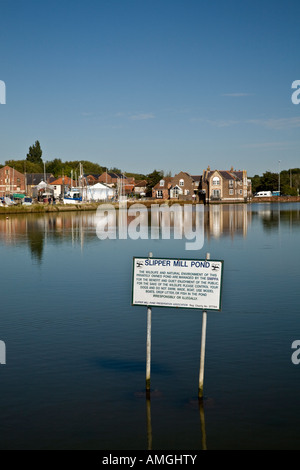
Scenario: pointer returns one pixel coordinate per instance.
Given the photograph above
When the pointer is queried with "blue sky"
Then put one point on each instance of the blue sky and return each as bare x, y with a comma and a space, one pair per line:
143, 84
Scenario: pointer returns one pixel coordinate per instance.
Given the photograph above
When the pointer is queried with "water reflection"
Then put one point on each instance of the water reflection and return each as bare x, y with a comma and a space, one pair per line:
80, 228
273, 217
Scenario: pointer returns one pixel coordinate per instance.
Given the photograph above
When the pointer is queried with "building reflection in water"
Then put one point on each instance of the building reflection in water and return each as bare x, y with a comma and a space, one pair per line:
36, 230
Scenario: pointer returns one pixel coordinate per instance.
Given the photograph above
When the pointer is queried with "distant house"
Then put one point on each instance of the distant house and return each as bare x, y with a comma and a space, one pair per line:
92, 179
11, 182
111, 179
185, 187
140, 187
34, 179
226, 186
162, 189
61, 185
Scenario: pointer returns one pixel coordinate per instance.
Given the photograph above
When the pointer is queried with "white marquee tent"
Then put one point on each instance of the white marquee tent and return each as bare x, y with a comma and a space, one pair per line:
100, 192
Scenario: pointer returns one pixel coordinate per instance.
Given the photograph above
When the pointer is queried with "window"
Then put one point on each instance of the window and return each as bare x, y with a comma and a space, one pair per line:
176, 192
181, 182
162, 183
216, 181
241, 192
187, 192
231, 192
18, 181
159, 194
231, 183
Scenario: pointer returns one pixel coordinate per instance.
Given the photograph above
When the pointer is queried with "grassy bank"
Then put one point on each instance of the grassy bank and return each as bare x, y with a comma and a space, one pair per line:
46, 208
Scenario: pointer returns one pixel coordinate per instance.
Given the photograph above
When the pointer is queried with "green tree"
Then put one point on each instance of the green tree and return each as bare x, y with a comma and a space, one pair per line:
115, 170
154, 178
55, 167
35, 154
256, 183
286, 189
269, 181
24, 166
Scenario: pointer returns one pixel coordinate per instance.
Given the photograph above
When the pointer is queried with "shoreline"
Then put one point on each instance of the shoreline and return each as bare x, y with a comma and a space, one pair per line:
52, 209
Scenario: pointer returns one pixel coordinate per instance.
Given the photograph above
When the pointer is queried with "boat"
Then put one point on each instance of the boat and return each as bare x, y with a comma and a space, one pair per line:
73, 197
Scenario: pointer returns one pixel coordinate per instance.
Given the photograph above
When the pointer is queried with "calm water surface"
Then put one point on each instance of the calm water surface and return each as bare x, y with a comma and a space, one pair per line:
76, 348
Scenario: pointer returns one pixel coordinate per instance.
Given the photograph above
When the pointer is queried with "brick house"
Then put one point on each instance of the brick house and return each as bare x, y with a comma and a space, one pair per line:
226, 186
11, 182
111, 179
92, 179
185, 187
162, 189
141, 187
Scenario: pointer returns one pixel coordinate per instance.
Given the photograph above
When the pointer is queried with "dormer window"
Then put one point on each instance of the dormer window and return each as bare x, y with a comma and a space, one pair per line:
162, 183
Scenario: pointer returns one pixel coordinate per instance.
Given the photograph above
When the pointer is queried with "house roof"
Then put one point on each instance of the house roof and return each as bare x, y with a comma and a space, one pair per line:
93, 176
61, 181
114, 175
196, 177
33, 179
141, 184
167, 182
227, 175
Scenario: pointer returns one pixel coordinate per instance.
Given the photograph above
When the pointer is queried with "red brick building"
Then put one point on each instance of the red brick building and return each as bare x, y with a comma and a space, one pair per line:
185, 187
11, 182
111, 178
162, 189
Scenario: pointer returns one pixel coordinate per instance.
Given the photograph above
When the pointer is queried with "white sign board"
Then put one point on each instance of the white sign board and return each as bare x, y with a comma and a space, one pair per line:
165, 282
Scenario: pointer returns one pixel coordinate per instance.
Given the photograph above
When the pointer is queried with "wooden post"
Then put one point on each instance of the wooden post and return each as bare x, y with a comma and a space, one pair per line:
202, 358
203, 344
149, 328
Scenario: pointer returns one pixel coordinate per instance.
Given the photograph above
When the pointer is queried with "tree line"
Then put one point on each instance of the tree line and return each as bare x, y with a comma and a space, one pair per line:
34, 164
289, 181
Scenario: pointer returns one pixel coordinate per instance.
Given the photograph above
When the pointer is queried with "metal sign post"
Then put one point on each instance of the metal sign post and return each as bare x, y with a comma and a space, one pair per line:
181, 284
203, 345
149, 341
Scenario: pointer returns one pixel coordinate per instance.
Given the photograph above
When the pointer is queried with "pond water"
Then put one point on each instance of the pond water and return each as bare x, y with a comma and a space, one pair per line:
76, 349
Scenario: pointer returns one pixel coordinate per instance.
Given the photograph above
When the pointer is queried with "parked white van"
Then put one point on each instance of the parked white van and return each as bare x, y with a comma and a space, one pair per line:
263, 194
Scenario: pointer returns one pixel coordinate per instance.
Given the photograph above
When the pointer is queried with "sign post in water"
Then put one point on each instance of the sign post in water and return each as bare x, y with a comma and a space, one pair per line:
181, 284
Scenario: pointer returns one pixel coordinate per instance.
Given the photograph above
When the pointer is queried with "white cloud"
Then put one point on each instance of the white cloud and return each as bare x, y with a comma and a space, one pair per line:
277, 124
237, 95
269, 145
142, 116
216, 122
